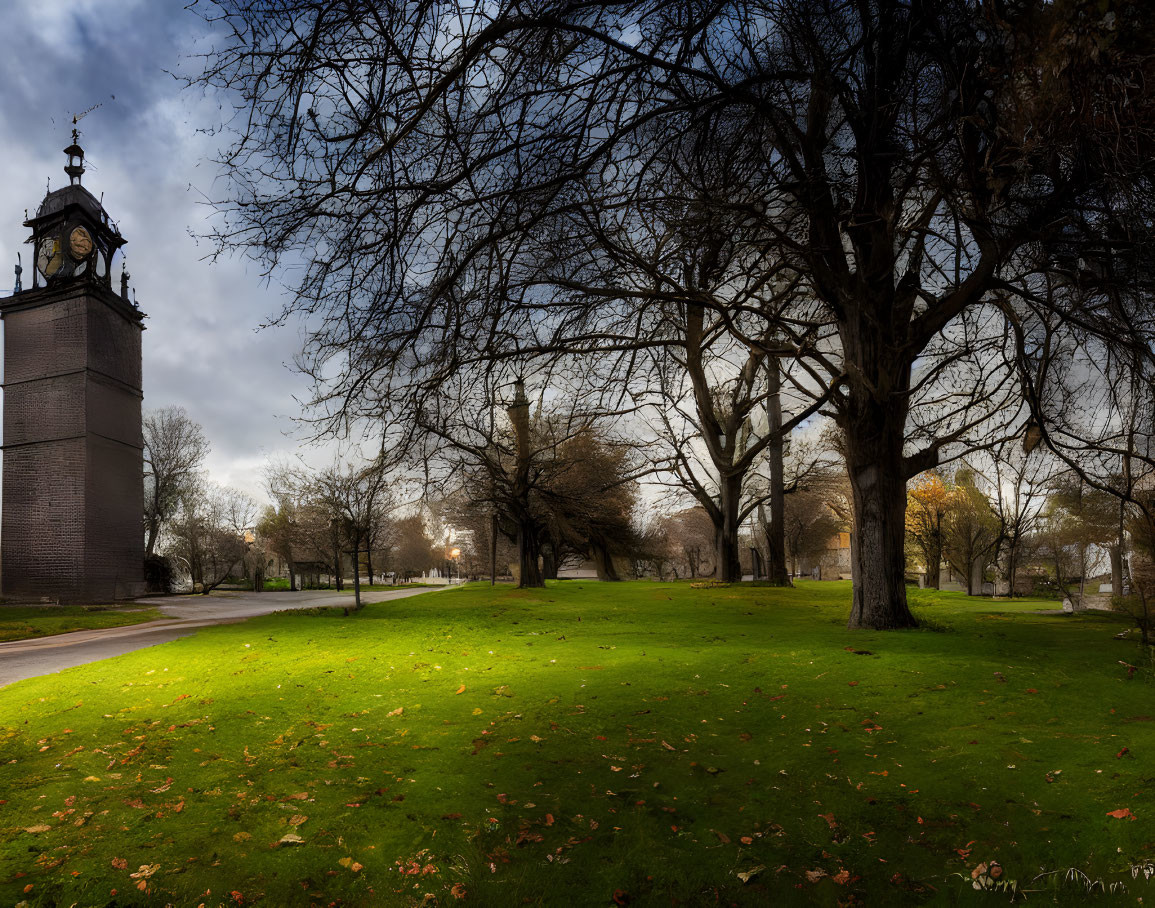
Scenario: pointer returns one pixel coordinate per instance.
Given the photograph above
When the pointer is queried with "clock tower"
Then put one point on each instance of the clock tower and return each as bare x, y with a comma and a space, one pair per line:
73, 465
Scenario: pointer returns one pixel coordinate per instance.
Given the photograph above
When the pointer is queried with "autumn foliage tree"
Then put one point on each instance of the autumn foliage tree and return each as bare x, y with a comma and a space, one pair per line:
929, 501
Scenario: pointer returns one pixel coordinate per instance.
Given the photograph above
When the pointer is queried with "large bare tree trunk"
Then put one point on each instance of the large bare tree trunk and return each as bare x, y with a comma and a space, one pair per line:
874, 439
603, 561
153, 531
549, 561
529, 574
776, 571
726, 531
357, 572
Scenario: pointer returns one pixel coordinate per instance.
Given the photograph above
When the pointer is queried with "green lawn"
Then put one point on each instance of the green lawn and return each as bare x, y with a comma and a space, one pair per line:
648, 742
19, 622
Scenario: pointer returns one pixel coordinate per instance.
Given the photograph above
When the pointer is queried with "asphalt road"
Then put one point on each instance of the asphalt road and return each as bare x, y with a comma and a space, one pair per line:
20, 659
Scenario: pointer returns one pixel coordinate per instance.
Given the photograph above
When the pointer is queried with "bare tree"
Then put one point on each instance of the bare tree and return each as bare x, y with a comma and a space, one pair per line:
354, 495
918, 172
211, 533
174, 452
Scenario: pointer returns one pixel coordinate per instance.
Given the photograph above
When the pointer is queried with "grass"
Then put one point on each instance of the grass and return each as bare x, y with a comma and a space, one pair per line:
569, 745
20, 622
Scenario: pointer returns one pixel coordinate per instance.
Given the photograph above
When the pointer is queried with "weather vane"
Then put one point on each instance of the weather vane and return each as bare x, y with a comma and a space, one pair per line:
76, 118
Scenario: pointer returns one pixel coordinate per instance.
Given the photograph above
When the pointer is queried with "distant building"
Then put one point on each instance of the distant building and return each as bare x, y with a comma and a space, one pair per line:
73, 463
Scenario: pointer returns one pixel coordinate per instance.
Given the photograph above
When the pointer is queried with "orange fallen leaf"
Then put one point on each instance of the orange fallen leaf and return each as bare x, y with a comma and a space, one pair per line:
1123, 813
461, 689
842, 877
457, 891
120, 863
829, 818
398, 711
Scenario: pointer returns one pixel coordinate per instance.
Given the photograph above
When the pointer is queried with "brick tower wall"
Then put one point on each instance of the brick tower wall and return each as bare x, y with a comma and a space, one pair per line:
73, 493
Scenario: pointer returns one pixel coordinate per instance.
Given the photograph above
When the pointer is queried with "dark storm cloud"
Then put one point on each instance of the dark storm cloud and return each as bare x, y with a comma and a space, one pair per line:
148, 156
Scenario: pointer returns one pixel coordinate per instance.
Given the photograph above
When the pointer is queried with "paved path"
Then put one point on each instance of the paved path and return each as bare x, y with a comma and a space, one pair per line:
20, 659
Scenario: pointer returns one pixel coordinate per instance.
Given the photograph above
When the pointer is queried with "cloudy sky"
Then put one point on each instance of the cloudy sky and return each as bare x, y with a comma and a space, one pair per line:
202, 349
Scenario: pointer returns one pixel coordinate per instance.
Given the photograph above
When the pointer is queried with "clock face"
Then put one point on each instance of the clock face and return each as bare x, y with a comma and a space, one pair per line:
80, 243
48, 256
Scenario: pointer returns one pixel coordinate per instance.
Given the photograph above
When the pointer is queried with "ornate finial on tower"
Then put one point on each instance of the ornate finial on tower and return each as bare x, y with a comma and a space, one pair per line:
519, 398
124, 276
19, 271
75, 166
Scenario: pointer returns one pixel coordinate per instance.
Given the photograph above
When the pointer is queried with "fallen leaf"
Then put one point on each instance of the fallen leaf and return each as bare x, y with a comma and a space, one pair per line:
460, 690
747, 875
746, 840
291, 838
829, 818
842, 877
145, 871
297, 819
457, 891
120, 863
242, 836
398, 711
722, 837
35, 829
814, 876
1123, 813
